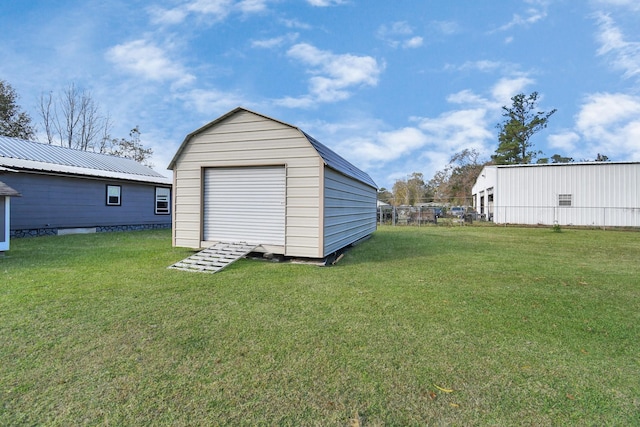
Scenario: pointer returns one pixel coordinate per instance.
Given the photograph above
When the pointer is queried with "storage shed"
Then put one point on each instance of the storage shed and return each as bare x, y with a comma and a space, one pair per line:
248, 177
602, 194
6, 193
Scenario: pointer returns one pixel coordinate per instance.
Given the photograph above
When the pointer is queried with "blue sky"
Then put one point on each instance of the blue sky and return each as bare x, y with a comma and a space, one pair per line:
395, 87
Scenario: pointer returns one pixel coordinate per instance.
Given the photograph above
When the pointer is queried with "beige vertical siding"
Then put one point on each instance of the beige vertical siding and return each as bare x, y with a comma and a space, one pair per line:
349, 211
247, 139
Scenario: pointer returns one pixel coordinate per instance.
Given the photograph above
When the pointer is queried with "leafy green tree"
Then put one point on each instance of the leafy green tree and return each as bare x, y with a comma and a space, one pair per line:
453, 184
385, 195
409, 192
131, 148
522, 121
556, 158
13, 122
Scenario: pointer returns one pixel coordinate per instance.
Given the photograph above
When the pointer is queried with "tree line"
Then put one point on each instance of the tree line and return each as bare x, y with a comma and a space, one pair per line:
453, 184
69, 119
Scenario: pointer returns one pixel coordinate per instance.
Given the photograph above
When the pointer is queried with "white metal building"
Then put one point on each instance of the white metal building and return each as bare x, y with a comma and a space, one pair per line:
247, 177
588, 194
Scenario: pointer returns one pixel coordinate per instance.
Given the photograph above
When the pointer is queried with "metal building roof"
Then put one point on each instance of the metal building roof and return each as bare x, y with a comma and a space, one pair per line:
20, 154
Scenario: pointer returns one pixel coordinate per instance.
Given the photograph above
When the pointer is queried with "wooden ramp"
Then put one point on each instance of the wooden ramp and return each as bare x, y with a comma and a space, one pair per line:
214, 258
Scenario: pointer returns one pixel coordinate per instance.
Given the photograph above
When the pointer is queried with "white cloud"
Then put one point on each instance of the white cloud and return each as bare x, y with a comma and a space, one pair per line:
508, 87
565, 141
536, 12
413, 42
630, 4
399, 34
604, 110
252, 6
325, 3
458, 129
446, 27
275, 41
211, 10
386, 146
607, 123
625, 55
145, 59
334, 75
212, 102
483, 65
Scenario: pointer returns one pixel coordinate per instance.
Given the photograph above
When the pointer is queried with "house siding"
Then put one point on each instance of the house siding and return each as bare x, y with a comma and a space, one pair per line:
51, 202
349, 211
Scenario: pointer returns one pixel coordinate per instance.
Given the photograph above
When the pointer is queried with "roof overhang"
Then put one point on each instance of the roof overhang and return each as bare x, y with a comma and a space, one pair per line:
21, 165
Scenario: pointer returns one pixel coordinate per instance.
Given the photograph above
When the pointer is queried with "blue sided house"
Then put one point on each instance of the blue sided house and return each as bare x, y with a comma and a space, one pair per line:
71, 191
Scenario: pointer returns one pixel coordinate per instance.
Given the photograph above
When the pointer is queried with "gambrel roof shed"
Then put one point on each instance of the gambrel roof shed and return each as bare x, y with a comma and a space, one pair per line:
249, 177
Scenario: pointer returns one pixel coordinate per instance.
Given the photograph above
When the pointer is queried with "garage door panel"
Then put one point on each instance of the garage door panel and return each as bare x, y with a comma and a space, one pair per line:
245, 204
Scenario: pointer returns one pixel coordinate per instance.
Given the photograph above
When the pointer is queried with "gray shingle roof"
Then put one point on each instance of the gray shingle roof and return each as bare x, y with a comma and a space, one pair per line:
5, 190
19, 154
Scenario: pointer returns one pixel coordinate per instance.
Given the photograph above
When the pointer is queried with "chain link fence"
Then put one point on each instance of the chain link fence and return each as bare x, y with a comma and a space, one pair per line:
600, 217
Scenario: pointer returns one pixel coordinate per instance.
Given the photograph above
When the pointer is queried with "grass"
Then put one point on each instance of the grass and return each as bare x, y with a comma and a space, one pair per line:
416, 326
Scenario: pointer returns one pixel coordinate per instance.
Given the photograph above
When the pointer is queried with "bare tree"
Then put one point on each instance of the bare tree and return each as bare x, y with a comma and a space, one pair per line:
131, 148
74, 120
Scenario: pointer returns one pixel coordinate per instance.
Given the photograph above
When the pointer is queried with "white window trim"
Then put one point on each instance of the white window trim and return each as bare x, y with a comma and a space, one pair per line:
163, 198
111, 192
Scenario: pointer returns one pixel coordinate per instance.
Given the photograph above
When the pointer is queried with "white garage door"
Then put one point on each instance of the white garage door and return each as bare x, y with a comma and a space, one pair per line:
245, 204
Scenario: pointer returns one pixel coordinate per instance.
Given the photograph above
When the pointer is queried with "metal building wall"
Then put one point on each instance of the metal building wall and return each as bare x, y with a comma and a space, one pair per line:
602, 194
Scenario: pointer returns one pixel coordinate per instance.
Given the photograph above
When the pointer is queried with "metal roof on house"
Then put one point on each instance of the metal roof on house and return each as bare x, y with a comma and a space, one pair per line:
5, 190
19, 154
330, 158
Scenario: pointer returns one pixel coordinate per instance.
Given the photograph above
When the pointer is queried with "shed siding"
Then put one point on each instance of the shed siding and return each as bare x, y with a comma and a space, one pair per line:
63, 202
349, 211
601, 194
241, 140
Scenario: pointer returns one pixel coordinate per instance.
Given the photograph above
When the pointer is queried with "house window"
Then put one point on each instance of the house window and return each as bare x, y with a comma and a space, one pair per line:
564, 199
113, 195
163, 198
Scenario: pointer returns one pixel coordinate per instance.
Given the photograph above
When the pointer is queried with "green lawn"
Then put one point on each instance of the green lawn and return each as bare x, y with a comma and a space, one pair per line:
416, 326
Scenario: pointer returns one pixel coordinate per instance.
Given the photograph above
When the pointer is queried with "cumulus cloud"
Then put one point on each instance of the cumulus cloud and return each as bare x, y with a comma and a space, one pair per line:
624, 55
213, 10
210, 102
428, 143
399, 34
333, 75
274, 41
326, 3
149, 61
508, 87
607, 123
565, 141
630, 4
536, 11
